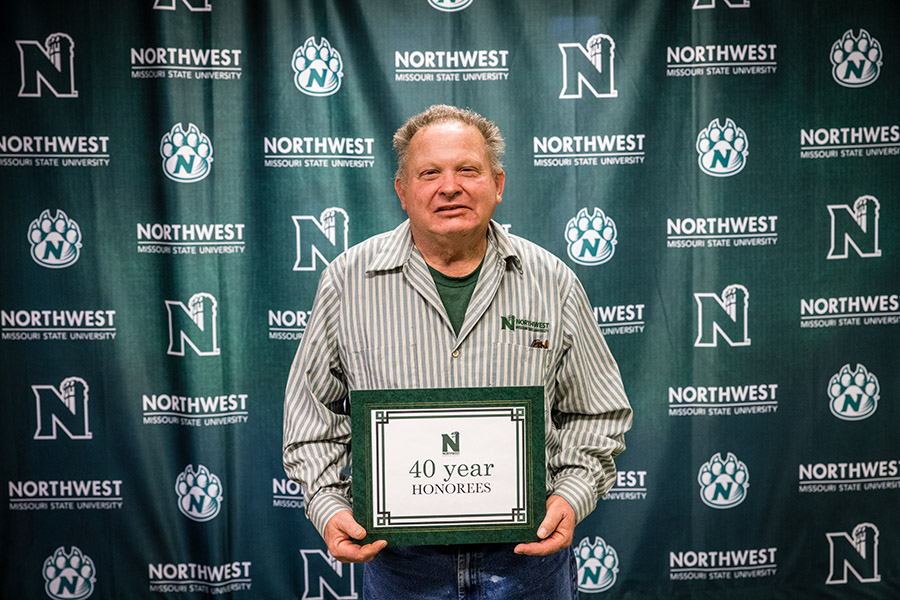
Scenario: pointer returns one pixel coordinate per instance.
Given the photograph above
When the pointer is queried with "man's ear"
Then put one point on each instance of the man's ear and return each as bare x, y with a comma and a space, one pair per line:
499, 182
400, 188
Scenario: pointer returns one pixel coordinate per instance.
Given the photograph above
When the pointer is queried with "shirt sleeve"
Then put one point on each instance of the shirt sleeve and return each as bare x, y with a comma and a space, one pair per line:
316, 415
590, 410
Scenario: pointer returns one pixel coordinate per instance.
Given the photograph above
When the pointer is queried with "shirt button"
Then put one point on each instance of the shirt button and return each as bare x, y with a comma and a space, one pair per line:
455, 354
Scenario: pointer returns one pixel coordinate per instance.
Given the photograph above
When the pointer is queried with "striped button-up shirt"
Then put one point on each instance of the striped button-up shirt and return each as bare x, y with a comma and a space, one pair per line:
378, 323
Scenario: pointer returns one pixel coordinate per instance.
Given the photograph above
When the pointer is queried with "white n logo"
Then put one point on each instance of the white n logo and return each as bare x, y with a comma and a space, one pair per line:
857, 555
65, 409
193, 5
591, 68
698, 4
725, 316
50, 66
323, 572
195, 324
320, 239
857, 227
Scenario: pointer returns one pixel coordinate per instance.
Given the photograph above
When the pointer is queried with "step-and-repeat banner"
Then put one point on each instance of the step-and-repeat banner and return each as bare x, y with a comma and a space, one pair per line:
721, 174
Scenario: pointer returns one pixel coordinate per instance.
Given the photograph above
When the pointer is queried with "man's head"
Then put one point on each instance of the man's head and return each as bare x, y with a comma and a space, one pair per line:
450, 178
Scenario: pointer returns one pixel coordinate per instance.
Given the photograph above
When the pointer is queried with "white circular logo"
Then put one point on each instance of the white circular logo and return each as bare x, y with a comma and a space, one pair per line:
186, 155
591, 238
450, 5
854, 394
598, 564
199, 493
69, 575
722, 149
318, 68
723, 483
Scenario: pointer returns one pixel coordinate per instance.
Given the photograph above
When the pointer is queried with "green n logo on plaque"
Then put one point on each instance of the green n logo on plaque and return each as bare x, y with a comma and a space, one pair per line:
450, 443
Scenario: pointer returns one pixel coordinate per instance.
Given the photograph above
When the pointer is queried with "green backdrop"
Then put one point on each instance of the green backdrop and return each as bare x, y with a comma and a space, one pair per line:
721, 175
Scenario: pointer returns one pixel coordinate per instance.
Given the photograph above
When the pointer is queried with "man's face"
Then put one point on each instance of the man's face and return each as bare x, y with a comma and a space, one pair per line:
447, 187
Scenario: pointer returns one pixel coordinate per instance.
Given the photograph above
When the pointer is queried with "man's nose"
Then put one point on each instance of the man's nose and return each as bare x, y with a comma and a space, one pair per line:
450, 184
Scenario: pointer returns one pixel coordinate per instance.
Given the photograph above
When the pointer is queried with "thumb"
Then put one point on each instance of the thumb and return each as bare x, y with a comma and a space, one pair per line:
351, 527
549, 524
357, 532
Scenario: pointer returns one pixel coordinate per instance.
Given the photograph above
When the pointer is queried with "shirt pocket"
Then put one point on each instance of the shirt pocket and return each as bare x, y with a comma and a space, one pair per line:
517, 365
385, 368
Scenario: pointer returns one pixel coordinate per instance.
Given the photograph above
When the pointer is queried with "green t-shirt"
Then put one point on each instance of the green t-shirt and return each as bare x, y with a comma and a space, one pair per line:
455, 293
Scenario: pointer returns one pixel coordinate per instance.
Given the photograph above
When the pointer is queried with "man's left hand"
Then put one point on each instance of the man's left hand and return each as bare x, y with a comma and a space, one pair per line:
555, 531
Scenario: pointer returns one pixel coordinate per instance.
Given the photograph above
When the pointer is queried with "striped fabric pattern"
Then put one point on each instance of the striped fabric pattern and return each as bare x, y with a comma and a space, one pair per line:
378, 323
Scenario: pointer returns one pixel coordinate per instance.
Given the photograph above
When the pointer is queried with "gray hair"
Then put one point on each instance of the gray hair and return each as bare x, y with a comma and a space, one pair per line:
441, 113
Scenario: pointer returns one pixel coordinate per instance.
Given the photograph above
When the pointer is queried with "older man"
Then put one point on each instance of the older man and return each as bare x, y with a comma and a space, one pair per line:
421, 307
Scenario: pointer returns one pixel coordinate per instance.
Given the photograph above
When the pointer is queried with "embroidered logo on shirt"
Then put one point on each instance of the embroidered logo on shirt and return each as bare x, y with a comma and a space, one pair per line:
512, 323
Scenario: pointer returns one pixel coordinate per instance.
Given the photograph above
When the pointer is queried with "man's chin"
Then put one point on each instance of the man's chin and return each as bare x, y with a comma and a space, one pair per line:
457, 227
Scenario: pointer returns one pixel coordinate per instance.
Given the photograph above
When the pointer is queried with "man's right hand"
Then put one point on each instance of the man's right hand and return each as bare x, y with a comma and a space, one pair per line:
340, 533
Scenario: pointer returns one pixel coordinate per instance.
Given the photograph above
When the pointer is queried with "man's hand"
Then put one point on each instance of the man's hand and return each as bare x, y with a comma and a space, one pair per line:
341, 530
556, 529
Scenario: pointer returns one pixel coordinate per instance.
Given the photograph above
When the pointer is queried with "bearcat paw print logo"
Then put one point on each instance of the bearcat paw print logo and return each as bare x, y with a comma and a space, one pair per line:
318, 68
186, 155
591, 238
450, 5
854, 394
55, 241
723, 483
722, 148
598, 565
69, 575
856, 60
199, 493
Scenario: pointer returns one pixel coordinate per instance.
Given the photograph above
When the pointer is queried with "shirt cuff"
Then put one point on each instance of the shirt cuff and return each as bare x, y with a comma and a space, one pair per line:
578, 493
324, 506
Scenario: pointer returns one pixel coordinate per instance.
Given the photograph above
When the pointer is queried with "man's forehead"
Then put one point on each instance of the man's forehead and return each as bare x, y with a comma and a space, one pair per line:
430, 131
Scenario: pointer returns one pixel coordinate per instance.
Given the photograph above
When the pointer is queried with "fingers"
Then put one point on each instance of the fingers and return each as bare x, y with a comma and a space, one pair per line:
340, 533
350, 552
554, 543
556, 530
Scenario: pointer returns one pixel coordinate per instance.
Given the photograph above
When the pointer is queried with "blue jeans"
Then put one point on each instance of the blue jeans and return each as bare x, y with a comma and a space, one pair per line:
477, 572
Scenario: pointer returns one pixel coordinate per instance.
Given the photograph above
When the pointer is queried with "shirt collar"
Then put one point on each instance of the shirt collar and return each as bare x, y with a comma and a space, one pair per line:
398, 246
395, 250
501, 242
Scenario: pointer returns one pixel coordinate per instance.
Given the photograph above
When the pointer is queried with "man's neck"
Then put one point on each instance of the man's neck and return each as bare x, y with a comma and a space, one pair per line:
455, 256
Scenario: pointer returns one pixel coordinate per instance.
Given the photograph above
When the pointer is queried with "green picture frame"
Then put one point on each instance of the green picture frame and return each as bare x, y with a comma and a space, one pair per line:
476, 471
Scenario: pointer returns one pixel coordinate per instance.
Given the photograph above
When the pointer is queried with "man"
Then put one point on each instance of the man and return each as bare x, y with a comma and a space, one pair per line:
421, 307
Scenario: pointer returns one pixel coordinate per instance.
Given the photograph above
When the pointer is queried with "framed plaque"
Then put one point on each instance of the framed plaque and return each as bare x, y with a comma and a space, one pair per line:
449, 466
